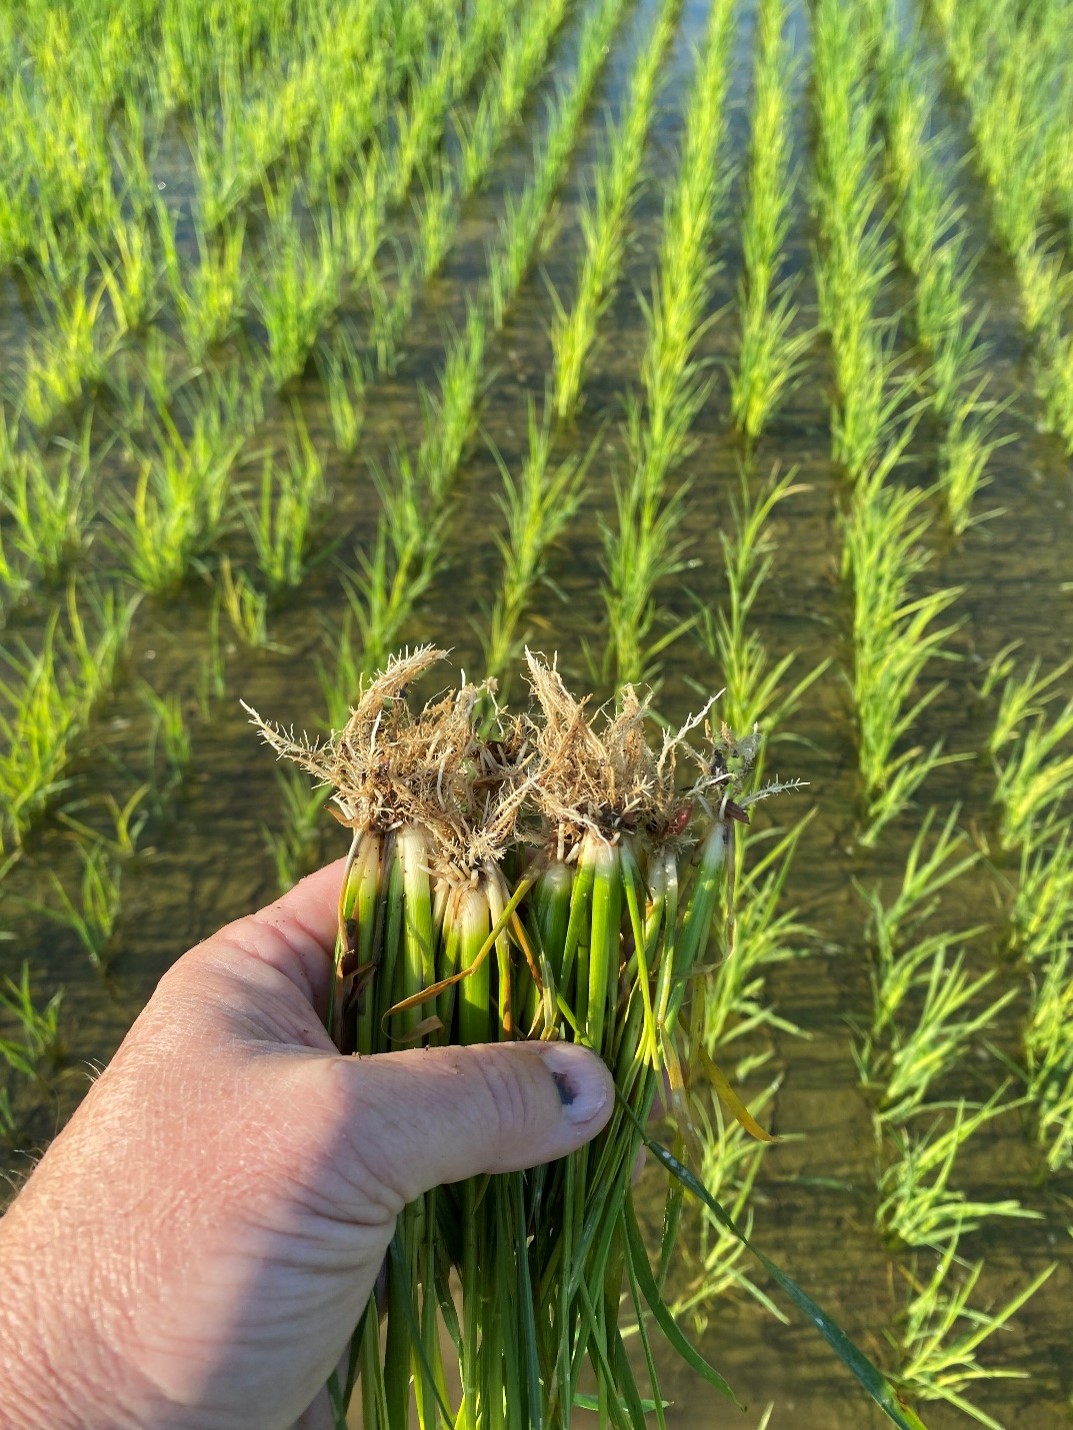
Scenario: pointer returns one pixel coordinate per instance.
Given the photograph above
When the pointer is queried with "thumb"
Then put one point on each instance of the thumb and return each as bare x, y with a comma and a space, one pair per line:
429, 1116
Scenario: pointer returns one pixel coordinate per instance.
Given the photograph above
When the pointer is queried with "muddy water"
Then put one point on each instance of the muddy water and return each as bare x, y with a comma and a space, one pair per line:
814, 1199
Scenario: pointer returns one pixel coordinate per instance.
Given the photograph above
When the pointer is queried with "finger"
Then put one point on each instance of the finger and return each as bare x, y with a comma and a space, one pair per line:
295, 935
423, 1118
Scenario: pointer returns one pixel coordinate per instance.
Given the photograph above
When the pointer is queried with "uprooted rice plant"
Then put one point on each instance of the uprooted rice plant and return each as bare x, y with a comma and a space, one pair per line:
695, 344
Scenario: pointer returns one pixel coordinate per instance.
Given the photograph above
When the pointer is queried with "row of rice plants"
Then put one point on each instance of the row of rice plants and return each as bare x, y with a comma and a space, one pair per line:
770, 354
1029, 746
63, 79
125, 73
411, 527
352, 93
895, 635
640, 548
480, 138
316, 107
928, 1015
538, 505
933, 242
302, 284
1004, 64
451, 67
415, 496
211, 302
757, 929
222, 311
605, 218
854, 254
296, 311
753, 685
184, 502
118, 256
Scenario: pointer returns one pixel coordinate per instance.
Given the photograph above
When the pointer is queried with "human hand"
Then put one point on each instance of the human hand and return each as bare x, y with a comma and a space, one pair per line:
196, 1246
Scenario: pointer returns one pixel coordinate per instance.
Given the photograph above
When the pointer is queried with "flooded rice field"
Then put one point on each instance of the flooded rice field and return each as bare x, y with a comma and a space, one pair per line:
715, 348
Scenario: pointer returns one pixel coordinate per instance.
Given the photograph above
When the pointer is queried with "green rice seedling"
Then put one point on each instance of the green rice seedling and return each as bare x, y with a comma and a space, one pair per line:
605, 216
895, 635
450, 417
728, 1166
917, 1056
1005, 64
926, 215
421, 120
770, 358
758, 935
39, 1047
642, 548
14, 584
523, 220
964, 453
1022, 699
1048, 1054
918, 1207
769, 355
925, 874
422, 117
226, 404
235, 144
1042, 895
941, 1333
68, 360
180, 503
436, 221
131, 277
345, 378
297, 290
391, 304
752, 684
169, 739
246, 607
957, 354
210, 301
1054, 385
349, 107
92, 917
294, 848
1045, 288
50, 508
128, 823
433, 906
281, 526
1037, 774
872, 398
45, 705
854, 257
340, 685
393, 579
537, 506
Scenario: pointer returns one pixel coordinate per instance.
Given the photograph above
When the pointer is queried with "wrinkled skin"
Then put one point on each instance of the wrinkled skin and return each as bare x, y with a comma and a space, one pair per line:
197, 1244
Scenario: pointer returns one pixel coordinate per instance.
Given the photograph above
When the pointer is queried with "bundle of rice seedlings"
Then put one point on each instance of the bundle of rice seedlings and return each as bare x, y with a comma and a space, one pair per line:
554, 879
